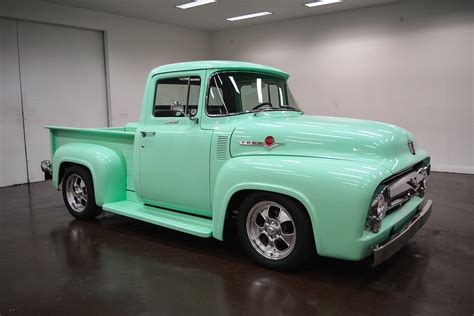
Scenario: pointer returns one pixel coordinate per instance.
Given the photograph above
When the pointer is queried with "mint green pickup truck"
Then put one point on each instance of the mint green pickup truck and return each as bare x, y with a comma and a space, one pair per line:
222, 144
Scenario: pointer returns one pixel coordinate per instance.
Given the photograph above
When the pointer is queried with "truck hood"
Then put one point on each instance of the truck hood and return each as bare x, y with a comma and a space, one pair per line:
295, 134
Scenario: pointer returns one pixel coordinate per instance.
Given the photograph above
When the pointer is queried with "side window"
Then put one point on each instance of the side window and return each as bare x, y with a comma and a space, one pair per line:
183, 90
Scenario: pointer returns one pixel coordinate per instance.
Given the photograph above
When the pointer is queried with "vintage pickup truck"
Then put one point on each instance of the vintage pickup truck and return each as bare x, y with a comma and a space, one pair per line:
221, 144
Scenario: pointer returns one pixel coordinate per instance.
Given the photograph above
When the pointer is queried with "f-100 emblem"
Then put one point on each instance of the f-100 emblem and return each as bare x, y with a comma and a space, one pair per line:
269, 143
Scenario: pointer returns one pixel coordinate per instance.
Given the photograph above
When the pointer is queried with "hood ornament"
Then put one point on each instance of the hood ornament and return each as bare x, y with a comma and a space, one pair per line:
411, 147
268, 143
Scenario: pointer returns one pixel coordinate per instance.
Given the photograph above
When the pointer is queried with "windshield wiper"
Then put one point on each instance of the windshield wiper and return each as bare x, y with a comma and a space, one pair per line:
289, 108
280, 108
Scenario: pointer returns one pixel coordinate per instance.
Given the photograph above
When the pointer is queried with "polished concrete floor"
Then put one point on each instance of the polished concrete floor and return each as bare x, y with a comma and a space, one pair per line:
53, 264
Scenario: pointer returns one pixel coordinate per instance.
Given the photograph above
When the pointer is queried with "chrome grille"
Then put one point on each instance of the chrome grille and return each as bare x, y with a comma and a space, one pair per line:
406, 185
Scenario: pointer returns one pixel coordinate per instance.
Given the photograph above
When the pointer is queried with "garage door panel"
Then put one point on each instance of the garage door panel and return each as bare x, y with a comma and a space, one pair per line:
63, 83
12, 149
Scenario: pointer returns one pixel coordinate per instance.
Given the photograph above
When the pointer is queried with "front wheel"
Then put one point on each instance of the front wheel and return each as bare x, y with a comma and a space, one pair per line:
78, 193
275, 231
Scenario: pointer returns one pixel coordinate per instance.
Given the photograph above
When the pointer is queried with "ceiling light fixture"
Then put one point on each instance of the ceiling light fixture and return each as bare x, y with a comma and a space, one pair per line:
248, 16
195, 4
321, 2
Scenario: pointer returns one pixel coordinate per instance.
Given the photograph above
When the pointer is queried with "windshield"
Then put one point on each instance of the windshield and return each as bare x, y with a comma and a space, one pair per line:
243, 92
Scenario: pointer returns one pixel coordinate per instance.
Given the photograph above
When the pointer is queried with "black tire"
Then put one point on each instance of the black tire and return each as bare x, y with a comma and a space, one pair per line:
80, 209
303, 247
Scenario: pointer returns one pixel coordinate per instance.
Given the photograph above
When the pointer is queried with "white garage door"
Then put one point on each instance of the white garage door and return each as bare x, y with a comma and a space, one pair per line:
12, 149
63, 83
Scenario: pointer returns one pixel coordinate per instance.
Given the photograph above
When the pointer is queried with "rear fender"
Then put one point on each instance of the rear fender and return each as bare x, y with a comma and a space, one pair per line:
107, 167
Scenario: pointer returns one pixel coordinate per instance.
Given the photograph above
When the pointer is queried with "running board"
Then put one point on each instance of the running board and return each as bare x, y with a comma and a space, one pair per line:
185, 223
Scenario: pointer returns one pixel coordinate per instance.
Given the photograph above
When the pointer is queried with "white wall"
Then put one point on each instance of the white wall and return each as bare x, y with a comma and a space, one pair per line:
410, 64
133, 47
62, 83
12, 148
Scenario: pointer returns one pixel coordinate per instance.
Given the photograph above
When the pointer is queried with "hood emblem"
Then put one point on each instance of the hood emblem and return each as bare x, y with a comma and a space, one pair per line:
268, 143
411, 147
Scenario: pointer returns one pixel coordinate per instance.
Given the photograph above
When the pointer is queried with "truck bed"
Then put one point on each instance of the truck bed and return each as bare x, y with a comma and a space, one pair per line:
120, 139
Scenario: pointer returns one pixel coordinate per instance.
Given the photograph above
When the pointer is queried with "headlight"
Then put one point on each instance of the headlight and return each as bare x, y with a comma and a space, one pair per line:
378, 210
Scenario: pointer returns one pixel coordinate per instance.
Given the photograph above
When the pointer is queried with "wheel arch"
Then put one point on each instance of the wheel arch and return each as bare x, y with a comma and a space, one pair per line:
106, 166
239, 192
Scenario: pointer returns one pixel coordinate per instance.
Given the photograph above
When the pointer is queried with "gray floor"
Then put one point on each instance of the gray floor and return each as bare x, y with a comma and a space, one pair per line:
53, 264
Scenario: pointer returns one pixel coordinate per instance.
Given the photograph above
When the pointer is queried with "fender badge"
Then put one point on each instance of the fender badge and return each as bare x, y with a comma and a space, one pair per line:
268, 143
411, 147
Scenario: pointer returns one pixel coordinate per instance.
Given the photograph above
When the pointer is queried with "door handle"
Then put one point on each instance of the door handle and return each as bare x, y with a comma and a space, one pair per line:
147, 133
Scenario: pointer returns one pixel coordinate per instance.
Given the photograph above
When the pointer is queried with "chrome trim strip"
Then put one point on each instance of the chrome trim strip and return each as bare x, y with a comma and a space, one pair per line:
402, 172
172, 122
396, 242
254, 143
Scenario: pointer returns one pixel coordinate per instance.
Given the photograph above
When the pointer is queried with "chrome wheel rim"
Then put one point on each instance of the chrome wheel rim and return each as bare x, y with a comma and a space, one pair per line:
271, 230
76, 193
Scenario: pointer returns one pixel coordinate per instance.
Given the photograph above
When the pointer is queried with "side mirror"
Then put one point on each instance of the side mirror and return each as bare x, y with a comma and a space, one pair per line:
177, 107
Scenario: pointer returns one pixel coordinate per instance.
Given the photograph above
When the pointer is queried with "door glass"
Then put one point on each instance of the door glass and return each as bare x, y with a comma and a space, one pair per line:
181, 90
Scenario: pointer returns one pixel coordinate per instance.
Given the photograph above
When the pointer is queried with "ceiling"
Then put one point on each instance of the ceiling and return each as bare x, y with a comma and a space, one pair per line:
212, 17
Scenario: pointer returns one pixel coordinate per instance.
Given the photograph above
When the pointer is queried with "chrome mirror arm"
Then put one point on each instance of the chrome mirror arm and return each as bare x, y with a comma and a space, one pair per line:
178, 108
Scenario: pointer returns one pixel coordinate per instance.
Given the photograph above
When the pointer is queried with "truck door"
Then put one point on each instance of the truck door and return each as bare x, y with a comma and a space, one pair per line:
173, 150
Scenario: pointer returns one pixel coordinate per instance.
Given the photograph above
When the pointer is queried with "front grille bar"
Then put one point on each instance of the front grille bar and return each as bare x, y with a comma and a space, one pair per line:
408, 184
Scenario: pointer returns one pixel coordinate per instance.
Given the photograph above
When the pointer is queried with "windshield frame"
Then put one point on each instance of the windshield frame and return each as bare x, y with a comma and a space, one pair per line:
211, 75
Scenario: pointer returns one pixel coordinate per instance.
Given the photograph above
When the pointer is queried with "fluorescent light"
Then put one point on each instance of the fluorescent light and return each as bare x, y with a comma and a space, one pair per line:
195, 4
248, 16
321, 2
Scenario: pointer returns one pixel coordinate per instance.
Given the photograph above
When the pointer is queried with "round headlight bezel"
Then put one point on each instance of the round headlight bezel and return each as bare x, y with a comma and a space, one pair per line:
378, 209
380, 205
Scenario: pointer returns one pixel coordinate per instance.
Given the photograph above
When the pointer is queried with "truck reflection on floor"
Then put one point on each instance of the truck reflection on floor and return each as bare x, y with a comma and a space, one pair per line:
112, 269
145, 268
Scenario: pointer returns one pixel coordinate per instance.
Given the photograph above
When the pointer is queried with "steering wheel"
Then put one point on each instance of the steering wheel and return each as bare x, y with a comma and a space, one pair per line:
261, 105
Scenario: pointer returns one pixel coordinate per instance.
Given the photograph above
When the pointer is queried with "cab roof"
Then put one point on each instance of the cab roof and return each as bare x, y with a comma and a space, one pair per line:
218, 65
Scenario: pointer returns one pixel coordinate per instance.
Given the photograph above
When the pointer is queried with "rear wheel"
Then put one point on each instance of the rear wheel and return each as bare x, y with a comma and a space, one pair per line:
275, 231
78, 193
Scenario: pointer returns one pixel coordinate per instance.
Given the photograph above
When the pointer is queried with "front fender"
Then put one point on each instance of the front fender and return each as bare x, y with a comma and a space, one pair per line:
336, 193
108, 169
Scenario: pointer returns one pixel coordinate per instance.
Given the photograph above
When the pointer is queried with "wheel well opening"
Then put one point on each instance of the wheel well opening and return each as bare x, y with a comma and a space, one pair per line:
233, 208
66, 165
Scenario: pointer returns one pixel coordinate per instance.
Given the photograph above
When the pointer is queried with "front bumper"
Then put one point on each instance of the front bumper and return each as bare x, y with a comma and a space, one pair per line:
387, 249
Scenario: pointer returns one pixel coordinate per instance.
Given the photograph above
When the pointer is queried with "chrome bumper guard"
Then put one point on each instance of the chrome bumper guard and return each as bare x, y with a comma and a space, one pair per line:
397, 241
